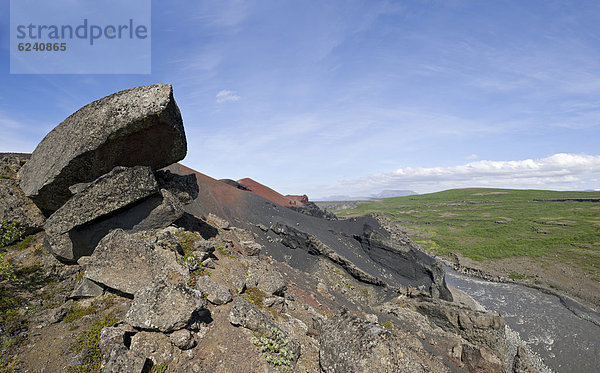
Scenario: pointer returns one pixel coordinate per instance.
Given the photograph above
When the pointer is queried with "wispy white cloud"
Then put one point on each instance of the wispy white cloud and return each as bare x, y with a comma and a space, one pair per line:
223, 13
472, 156
558, 171
8, 123
227, 96
17, 135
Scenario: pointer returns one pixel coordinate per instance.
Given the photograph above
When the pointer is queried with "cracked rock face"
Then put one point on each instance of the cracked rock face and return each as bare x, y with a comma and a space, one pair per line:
139, 126
121, 254
215, 293
14, 205
350, 344
164, 307
120, 187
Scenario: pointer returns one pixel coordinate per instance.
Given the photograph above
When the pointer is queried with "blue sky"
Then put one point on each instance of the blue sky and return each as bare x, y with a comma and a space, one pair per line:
354, 97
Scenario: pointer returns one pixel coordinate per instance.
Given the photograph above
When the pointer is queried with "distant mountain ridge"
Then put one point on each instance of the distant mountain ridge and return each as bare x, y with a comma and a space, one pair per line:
388, 193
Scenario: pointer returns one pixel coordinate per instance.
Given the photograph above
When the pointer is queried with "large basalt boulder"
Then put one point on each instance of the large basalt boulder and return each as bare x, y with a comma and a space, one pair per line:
165, 307
215, 292
129, 262
126, 197
138, 126
264, 277
116, 357
247, 315
120, 187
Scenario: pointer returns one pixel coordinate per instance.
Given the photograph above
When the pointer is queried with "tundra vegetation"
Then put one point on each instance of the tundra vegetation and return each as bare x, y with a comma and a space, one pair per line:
493, 224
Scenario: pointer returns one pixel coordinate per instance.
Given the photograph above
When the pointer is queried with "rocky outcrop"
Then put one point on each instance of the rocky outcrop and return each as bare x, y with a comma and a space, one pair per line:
296, 239
138, 126
121, 254
312, 209
186, 297
117, 357
478, 359
522, 363
73, 229
478, 327
11, 163
414, 264
14, 205
350, 344
99, 198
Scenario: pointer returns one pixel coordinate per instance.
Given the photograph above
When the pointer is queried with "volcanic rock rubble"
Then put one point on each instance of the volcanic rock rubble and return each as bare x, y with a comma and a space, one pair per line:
205, 276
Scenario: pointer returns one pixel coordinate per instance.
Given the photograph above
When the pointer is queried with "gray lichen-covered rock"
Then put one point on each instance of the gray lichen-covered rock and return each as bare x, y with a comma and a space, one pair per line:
266, 278
350, 344
479, 359
215, 293
250, 248
130, 262
155, 212
15, 206
164, 307
75, 228
110, 336
138, 126
245, 314
185, 188
478, 327
86, 288
166, 212
182, 339
120, 187
155, 346
116, 356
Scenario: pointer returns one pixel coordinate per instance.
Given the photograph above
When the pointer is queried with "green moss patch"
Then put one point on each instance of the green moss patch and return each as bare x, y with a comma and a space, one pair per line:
87, 347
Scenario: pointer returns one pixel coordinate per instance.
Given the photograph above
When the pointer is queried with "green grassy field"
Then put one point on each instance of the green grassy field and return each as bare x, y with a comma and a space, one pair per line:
499, 223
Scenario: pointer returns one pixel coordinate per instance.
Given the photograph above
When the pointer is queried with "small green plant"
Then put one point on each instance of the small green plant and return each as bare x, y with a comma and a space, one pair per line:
254, 295
23, 244
187, 240
196, 269
224, 251
275, 349
387, 325
160, 368
7, 364
4, 176
87, 346
75, 312
10, 231
516, 276
7, 270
